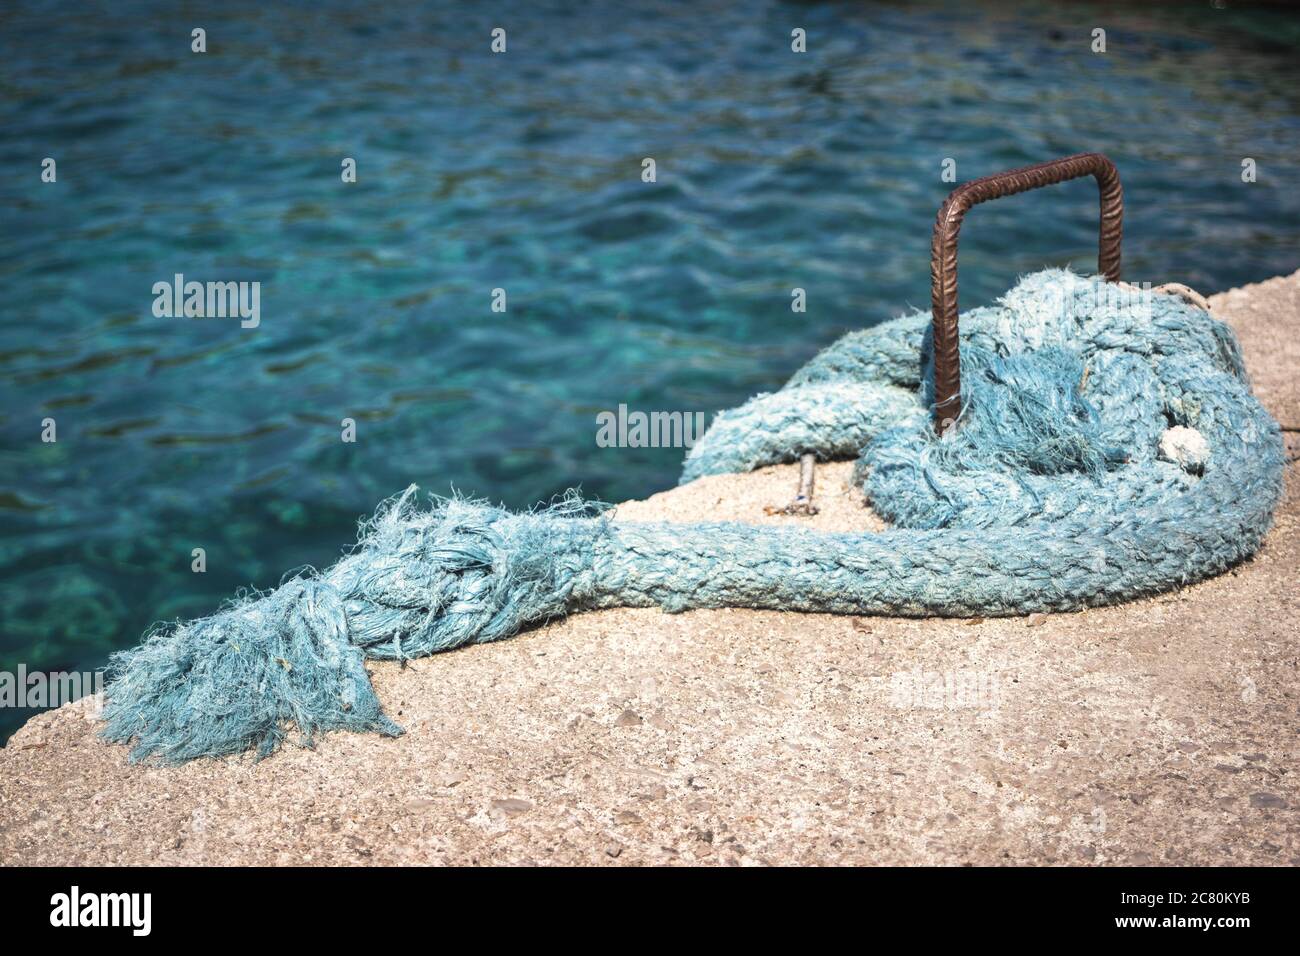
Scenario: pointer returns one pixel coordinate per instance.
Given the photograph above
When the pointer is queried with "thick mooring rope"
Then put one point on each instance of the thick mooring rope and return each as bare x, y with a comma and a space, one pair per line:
1106, 450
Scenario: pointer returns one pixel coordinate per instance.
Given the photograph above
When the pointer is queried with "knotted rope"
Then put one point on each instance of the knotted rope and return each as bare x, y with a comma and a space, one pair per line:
1105, 450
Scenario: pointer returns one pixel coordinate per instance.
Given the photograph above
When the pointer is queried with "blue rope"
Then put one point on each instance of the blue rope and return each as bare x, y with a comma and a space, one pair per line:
1058, 491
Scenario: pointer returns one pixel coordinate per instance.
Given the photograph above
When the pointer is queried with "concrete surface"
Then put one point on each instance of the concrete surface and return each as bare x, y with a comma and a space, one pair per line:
1163, 731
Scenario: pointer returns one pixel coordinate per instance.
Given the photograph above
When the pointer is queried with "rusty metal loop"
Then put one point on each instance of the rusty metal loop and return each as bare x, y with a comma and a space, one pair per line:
943, 254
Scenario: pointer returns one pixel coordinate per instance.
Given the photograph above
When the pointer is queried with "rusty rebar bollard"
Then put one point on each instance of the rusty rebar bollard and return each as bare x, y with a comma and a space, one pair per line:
943, 254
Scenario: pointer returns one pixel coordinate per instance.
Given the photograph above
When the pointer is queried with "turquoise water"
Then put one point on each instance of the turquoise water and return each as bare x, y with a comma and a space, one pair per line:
522, 171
